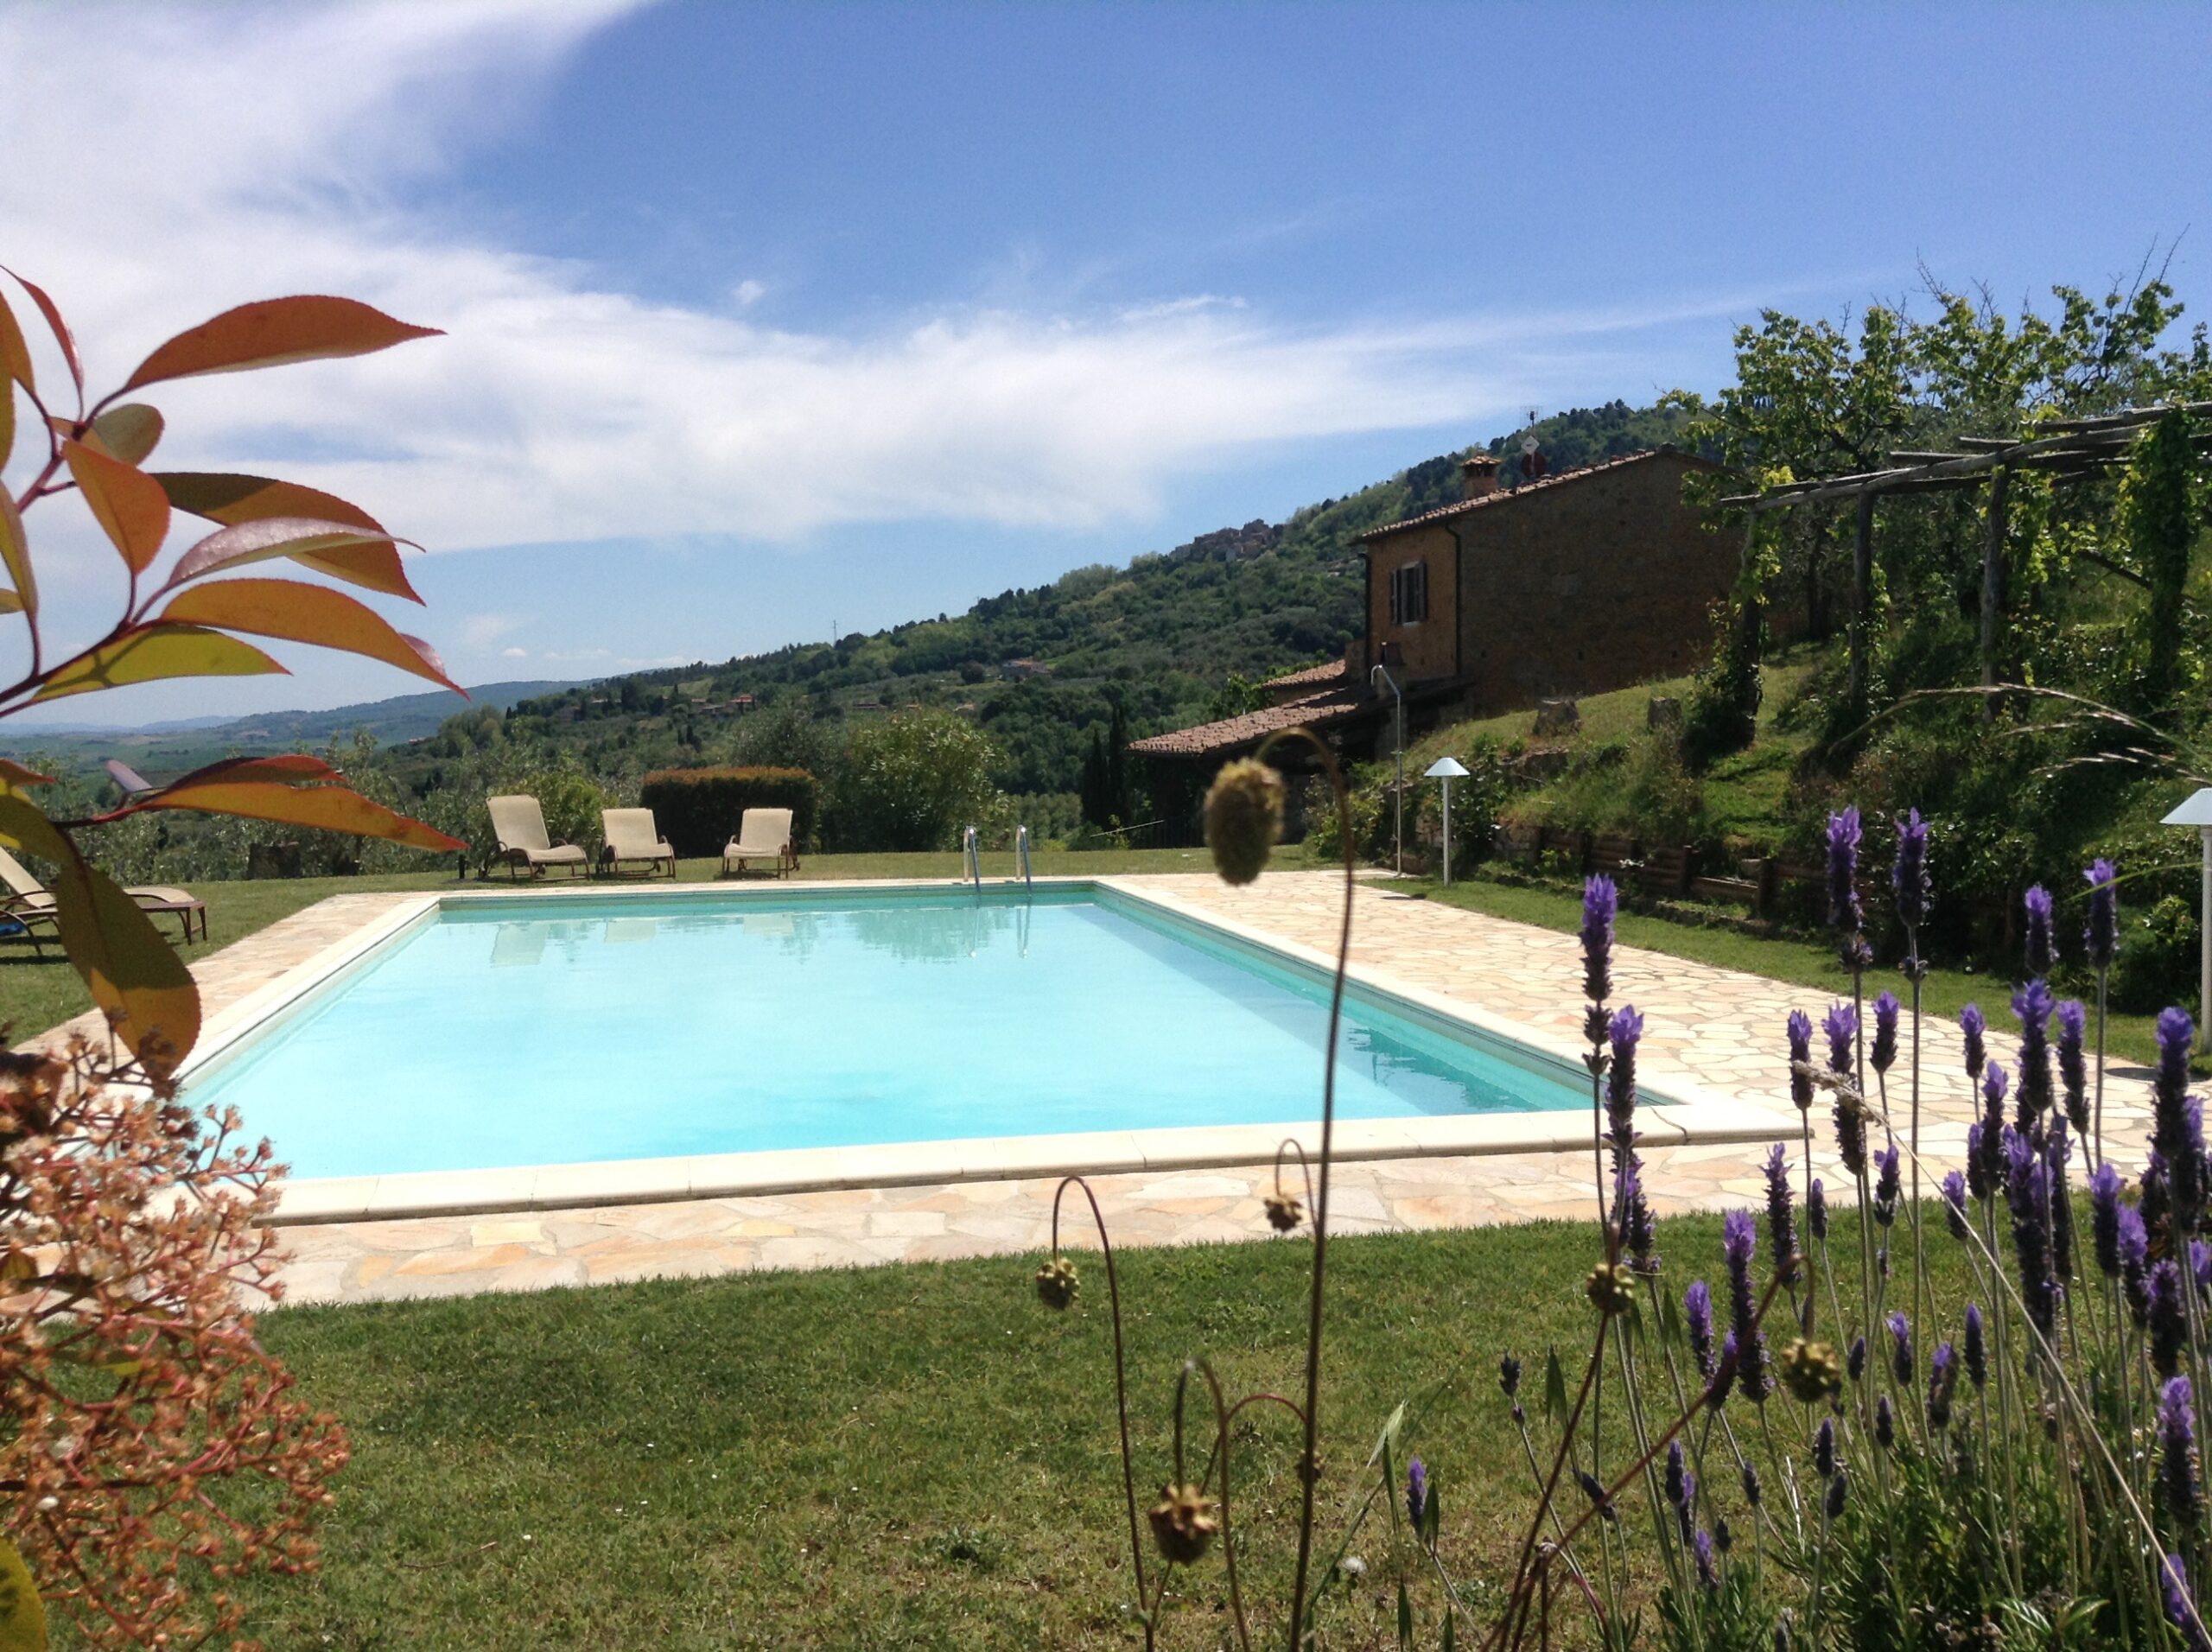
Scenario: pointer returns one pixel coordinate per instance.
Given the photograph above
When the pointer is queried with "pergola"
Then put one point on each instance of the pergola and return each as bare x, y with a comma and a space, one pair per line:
2071, 450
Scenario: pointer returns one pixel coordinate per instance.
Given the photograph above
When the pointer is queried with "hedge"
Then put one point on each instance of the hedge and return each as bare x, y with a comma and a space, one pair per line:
698, 810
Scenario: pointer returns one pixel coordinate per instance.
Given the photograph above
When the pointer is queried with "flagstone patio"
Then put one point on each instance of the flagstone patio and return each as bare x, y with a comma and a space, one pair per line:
1709, 1027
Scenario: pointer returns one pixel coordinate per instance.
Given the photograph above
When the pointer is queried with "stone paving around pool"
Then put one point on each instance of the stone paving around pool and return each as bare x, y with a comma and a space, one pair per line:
1711, 1028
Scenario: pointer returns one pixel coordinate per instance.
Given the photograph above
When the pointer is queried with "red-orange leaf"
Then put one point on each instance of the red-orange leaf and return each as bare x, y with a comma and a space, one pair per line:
15, 354
253, 542
329, 808
7, 418
291, 768
128, 433
127, 502
310, 328
151, 653
135, 976
61, 329
15, 552
303, 614
17, 775
232, 499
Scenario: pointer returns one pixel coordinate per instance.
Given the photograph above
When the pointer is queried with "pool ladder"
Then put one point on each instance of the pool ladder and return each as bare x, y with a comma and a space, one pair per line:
971, 857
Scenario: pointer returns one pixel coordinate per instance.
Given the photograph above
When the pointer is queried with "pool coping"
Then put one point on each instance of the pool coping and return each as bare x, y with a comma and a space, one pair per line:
1675, 1113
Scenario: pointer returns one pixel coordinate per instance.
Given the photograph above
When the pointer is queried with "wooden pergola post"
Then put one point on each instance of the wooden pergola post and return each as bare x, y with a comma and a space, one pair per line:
1992, 581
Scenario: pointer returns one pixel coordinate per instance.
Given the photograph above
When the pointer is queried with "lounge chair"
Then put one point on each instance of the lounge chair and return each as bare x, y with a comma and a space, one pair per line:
762, 835
632, 836
519, 825
29, 904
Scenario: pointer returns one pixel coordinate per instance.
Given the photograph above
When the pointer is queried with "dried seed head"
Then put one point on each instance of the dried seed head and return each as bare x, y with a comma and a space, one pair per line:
1284, 1211
1243, 818
1611, 1288
1811, 1371
1182, 1524
1057, 1283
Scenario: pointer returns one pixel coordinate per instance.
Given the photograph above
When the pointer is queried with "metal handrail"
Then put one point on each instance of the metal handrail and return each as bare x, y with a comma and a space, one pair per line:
971, 858
1021, 852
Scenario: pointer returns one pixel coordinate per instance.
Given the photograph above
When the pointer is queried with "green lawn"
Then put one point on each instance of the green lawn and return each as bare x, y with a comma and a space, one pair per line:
909, 1456
39, 992
1810, 964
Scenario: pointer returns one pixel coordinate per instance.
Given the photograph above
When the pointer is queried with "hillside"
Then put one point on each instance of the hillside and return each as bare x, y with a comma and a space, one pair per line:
1038, 669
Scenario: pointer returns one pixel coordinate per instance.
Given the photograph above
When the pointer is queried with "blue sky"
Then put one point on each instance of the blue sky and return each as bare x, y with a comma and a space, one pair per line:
764, 319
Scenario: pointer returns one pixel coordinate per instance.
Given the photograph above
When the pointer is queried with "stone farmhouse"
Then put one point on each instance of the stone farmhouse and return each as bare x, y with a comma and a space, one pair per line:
1579, 582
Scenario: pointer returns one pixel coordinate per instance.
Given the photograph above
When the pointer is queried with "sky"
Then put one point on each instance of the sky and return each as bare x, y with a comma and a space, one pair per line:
768, 323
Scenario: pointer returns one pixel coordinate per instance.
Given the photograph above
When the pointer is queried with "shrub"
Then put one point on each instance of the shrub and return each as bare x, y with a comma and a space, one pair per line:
698, 810
912, 781
2158, 958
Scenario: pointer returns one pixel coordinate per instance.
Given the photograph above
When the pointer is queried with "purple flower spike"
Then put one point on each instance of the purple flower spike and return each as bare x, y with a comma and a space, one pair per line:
1600, 901
2073, 1071
2029, 1194
2177, 1121
1824, 1448
1816, 1210
2134, 1241
2042, 953
1739, 1239
1697, 1317
1838, 1489
1976, 1349
1781, 1217
2180, 1610
1885, 1423
1843, 871
1884, 1054
1639, 1232
2101, 940
1901, 1360
1622, 1031
1416, 1492
1886, 1186
1842, 1025
1973, 1027
1909, 879
1678, 1474
2169, 1318
1707, 1576
2032, 1005
1801, 1056
1955, 1203
1987, 1151
2104, 1217
1943, 1380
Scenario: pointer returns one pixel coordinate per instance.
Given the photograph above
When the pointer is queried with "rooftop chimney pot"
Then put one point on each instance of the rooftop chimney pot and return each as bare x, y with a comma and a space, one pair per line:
1480, 476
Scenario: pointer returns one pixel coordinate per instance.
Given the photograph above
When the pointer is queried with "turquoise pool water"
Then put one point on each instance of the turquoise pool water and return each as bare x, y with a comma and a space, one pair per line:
577, 1029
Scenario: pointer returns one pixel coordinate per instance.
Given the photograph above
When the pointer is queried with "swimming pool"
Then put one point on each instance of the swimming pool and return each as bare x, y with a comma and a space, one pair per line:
550, 1030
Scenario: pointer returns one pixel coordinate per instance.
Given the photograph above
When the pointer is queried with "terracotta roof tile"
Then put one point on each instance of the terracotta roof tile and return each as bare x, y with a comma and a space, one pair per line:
1314, 711
1507, 495
1327, 671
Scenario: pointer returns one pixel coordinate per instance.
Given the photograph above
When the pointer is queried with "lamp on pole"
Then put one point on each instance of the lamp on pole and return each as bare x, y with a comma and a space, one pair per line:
1398, 823
2197, 812
1444, 771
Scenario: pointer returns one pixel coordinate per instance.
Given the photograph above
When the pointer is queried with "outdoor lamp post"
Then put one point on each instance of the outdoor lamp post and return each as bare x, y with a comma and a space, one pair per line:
2197, 812
1444, 771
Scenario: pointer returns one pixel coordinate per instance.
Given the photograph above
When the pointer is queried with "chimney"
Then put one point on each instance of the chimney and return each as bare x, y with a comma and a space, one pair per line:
1480, 476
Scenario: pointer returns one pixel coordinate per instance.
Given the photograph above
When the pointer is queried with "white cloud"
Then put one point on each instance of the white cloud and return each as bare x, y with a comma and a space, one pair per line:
748, 293
247, 151
514, 653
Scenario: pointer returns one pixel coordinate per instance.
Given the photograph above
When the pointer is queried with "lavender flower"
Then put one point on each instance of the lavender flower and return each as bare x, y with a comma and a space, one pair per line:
1855, 1358
1885, 1423
2042, 954
1942, 1380
1976, 1350
1623, 1031
1816, 1210
1842, 1025
2101, 940
1508, 1375
1678, 1474
1986, 1140
1724, 1373
2181, 1610
1954, 1202
1751, 1488
2200, 1266
1824, 1448
2057, 1147
2028, 1194
2073, 1072
1886, 1186
2177, 1483
2134, 1243
1600, 901
2033, 1004
1737, 1242
2169, 1318
1801, 1056
1697, 1317
1416, 1492
1707, 1576
2178, 1122
1900, 1349
1639, 1231
2104, 1217
1781, 1217
1883, 1055
1972, 1027
1838, 1489
1909, 879
1596, 1493
1843, 871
